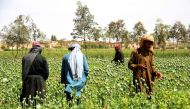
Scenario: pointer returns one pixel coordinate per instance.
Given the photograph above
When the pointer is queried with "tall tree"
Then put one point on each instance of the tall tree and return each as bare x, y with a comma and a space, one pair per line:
116, 29
138, 30
161, 33
19, 32
105, 35
125, 37
53, 38
83, 22
179, 31
188, 33
16, 33
96, 33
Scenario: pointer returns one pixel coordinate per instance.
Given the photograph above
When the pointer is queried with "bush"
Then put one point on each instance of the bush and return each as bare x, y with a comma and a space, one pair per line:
94, 45
3, 47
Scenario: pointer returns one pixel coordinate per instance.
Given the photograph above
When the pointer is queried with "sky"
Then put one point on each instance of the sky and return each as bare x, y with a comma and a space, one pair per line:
55, 17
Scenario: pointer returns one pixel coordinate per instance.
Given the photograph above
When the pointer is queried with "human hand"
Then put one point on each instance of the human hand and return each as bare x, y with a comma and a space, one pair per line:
159, 75
142, 66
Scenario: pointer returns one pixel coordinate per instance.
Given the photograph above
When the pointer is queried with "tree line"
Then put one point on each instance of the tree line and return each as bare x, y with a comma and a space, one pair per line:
87, 29
23, 29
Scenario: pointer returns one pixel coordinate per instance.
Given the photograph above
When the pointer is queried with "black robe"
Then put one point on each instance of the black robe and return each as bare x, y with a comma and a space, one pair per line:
34, 79
119, 57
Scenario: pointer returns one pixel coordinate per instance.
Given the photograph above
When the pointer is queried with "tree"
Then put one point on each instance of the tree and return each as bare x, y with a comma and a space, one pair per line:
178, 31
18, 32
161, 33
34, 31
53, 38
131, 36
105, 35
188, 33
83, 22
96, 33
116, 29
138, 30
125, 37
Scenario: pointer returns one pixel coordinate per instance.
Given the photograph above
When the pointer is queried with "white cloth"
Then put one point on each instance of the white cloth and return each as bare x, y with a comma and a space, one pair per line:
76, 61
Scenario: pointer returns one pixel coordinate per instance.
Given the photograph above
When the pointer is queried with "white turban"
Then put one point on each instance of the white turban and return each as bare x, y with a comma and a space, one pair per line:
76, 61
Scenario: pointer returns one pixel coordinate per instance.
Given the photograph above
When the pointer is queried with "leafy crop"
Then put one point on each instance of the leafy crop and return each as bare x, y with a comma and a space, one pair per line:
108, 85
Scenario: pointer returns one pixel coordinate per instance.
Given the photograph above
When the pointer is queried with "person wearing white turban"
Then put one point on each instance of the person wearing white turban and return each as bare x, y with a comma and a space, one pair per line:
74, 71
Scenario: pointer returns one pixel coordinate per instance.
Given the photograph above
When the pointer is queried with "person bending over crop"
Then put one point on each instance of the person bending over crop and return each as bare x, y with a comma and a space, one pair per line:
141, 63
119, 57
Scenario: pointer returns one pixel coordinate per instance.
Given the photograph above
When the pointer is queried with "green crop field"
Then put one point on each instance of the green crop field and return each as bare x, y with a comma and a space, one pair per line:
108, 85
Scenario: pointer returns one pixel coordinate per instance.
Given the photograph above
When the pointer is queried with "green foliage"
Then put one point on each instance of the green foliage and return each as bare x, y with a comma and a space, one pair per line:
116, 29
16, 33
53, 38
138, 30
108, 85
161, 33
95, 33
94, 45
178, 31
20, 31
83, 22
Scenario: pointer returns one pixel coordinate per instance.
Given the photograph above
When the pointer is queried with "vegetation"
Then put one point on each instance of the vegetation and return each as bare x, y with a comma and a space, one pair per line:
53, 38
20, 32
108, 85
83, 22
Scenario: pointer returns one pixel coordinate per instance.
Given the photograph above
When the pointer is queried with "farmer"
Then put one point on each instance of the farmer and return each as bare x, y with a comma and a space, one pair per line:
119, 57
74, 72
141, 63
34, 74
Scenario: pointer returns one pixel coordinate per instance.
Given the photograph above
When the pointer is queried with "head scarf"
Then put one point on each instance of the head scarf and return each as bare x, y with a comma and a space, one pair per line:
117, 46
76, 61
36, 43
36, 47
146, 37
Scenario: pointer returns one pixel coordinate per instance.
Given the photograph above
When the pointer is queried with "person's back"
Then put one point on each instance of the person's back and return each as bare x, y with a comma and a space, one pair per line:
74, 72
34, 73
39, 67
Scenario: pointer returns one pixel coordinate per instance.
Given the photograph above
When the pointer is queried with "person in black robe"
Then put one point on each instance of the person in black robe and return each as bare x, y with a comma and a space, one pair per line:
34, 74
119, 56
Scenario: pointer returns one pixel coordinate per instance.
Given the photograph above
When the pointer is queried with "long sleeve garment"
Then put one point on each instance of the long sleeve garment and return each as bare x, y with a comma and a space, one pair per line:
38, 67
140, 56
67, 77
34, 78
119, 57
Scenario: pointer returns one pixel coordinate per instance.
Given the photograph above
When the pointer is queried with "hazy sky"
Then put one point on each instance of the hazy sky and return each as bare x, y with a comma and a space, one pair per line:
56, 16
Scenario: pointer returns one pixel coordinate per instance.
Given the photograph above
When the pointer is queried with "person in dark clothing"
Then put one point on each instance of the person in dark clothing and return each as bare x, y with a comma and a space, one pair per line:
34, 74
119, 56
143, 67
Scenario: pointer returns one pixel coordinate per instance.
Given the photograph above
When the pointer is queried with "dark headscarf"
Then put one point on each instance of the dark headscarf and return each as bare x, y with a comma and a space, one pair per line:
35, 49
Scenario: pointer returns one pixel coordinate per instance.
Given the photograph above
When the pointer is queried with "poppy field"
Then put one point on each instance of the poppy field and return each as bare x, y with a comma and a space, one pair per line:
109, 86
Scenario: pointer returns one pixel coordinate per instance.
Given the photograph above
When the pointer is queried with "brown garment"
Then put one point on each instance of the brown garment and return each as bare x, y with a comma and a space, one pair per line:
141, 76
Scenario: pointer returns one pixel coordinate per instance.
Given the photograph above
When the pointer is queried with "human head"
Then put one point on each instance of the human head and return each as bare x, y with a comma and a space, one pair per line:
36, 47
117, 47
36, 44
147, 42
73, 45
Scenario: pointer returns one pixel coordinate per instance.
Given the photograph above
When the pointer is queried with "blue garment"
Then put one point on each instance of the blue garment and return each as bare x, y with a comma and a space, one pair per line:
67, 78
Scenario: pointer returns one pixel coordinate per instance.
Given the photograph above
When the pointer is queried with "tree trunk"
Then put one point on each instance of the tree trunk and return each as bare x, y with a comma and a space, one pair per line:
12, 50
16, 50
